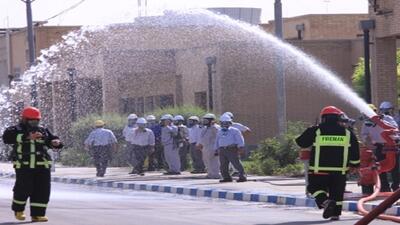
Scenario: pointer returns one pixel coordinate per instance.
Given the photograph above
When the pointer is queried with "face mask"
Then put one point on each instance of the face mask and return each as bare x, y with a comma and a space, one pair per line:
206, 122
190, 123
131, 123
142, 126
225, 126
33, 123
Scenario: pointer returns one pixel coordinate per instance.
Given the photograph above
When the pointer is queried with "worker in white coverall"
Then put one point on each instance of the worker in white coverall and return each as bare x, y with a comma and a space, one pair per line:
169, 133
206, 143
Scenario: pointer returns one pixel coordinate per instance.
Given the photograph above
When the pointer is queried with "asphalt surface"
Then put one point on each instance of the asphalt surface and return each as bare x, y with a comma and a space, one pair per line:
82, 205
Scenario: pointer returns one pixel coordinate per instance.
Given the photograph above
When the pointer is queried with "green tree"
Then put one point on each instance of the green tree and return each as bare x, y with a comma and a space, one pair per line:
358, 78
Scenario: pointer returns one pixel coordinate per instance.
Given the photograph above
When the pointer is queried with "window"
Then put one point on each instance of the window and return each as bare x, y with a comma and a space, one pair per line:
149, 104
140, 105
166, 101
127, 105
200, 99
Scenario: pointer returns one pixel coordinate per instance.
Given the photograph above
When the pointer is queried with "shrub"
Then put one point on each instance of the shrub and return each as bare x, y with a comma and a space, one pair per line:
275, 157
75, 155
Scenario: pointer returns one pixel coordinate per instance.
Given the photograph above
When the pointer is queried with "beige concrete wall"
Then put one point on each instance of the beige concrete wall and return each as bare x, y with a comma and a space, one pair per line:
321, 26
387, 18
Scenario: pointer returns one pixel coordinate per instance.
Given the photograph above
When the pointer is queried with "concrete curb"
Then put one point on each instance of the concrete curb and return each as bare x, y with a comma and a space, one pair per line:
350, 206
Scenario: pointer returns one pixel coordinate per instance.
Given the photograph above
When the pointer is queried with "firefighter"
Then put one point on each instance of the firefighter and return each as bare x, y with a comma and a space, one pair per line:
334, 152
32, 164
371, 137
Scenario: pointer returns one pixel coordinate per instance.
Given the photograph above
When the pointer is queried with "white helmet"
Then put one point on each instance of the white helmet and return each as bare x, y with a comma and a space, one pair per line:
386, 105
151, 117
195, 118
228, 114
167, 117
132, 116
225, 118
141, 120
209, 116
179, 118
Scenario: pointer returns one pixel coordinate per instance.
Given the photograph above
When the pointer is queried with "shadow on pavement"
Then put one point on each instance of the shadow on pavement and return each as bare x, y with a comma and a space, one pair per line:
14, 223
305, 222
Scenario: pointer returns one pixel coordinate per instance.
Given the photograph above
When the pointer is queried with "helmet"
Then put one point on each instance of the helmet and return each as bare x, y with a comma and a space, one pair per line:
151, 117
99, 123
31, 113
386, 105
225, 118
373, 107
228, 114
209, 116
195, 118
132, 116
331, 110
179, 118
141, 120
167, 117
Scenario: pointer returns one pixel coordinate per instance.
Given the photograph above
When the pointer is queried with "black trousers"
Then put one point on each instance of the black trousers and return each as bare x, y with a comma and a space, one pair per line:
101, 156
230, 155
140, 153
330, 186
156, 158
197, 158
183, 155
34, 184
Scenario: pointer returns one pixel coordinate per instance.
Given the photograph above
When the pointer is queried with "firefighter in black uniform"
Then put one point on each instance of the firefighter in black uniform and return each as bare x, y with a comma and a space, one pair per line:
334, 152
32, 164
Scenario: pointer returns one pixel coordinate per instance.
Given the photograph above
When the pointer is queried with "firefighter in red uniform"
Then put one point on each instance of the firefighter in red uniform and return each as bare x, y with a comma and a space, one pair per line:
334, 152
32, 164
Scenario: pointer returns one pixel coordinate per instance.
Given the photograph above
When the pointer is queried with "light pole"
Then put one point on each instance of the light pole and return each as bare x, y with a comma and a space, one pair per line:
31, 46
367, 25
210, 61
280, 76
72, 87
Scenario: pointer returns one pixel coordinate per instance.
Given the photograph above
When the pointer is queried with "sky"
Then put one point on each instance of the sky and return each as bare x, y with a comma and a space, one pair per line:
100, 12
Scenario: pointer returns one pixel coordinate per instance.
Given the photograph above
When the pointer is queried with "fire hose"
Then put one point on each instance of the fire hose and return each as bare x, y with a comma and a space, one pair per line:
391, 145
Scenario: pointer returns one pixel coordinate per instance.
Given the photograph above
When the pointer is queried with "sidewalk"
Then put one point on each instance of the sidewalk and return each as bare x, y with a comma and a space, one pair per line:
278, 190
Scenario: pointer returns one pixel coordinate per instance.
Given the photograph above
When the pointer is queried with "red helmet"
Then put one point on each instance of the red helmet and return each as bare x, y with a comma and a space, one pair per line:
331, 110
31, 113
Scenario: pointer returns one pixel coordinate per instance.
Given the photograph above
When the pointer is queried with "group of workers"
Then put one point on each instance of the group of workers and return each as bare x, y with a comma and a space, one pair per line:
334, 152
167, 144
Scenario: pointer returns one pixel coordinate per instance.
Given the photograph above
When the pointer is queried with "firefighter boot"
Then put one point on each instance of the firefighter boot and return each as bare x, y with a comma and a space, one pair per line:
40, 219
329, 209
20, 216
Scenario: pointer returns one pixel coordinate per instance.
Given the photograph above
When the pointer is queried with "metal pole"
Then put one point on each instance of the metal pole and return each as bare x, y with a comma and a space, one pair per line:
210, 88
72, 89
366, 26
280, 76
31, 41
31, 46
367, 70
210, 61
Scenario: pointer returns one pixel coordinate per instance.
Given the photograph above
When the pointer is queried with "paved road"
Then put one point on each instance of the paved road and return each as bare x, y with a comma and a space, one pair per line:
81, 205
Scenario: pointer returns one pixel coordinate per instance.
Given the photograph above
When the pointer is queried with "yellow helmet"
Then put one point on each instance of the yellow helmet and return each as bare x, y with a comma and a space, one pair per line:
99, 123
373, 107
